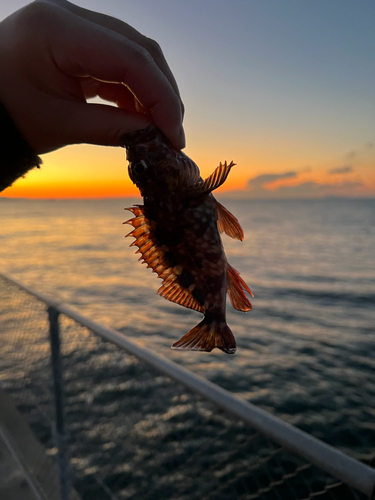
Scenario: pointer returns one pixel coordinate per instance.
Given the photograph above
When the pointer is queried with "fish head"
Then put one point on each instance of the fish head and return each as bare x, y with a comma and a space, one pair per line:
154, 165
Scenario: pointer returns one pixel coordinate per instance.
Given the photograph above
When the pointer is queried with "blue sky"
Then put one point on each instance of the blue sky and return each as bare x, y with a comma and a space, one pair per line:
277, 86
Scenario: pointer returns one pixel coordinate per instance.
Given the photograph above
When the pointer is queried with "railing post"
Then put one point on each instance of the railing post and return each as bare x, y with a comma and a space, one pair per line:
60, 433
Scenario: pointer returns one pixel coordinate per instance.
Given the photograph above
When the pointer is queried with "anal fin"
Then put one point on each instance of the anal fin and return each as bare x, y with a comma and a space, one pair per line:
236, 288
173, 291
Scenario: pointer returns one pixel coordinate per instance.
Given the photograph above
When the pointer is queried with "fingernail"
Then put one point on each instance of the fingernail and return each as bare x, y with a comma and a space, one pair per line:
181, 137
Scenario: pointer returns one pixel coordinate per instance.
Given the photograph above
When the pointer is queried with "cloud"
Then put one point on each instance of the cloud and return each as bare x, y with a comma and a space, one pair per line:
258, 188
315, 190
341, 170
261, 180
351, 155
296, 184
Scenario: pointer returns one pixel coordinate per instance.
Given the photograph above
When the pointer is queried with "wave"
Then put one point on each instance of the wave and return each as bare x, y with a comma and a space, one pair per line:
326, 298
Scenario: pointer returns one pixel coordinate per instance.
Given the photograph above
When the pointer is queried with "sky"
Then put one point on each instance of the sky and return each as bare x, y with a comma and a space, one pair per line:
285, 89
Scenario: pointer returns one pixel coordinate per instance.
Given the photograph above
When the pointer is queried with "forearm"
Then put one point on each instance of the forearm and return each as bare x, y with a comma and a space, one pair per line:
16, 156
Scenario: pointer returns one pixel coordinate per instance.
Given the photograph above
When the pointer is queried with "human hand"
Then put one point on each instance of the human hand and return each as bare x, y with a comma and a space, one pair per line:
54, 55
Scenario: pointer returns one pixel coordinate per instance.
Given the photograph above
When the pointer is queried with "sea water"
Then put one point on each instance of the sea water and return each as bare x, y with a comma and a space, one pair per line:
306, 352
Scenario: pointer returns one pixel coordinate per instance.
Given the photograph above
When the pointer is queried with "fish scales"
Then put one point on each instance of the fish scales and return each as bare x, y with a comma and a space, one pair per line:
177, 232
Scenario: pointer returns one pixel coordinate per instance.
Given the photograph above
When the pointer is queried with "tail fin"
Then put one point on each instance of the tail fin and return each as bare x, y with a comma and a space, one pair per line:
206, 336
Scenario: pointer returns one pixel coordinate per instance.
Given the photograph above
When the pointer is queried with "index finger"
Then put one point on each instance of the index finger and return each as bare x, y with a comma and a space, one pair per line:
124, 29
91, 50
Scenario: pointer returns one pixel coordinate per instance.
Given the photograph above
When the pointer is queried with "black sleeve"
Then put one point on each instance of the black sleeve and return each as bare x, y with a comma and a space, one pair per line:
16, 156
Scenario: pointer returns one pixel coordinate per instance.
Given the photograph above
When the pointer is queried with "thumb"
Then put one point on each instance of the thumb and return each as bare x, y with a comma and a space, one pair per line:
98, 124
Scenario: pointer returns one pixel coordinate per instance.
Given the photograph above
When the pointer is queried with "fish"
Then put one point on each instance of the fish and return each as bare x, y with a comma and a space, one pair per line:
177, 232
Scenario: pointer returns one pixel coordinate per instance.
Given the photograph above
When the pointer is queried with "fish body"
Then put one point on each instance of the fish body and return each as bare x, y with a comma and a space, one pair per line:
177, 234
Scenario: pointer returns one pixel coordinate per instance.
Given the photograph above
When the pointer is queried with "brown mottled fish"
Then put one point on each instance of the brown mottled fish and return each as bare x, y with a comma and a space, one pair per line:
177, 234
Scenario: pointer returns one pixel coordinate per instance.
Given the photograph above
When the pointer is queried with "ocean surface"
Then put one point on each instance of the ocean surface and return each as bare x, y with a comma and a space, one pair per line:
306, 352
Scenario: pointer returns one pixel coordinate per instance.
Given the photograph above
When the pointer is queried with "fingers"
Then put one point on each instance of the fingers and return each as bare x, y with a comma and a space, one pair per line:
148, 74
91, 50
114, 92
127, 31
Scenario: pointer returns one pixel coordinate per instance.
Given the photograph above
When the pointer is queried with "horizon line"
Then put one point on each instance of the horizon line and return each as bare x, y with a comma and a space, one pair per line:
230, 198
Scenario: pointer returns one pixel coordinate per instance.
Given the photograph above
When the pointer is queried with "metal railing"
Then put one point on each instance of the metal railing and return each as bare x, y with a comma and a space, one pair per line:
174, 419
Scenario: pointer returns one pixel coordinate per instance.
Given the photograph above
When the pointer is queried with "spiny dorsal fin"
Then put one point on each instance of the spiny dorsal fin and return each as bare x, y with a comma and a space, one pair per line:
236, 288
136, 210
216, 179
155, 258
228, 223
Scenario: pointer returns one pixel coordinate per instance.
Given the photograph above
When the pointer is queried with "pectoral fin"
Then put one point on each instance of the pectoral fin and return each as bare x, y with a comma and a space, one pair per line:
236, 288
227, 223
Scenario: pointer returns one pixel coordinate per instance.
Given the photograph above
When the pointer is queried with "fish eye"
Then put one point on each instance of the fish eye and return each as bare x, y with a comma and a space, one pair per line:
139, 168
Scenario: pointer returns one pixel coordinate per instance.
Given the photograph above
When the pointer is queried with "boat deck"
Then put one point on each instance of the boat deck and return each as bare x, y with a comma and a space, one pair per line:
26, 471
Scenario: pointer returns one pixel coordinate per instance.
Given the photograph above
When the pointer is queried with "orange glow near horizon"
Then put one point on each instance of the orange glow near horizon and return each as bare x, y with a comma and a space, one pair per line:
72, 191
87, 189
98, 172
77, 172
90, 172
